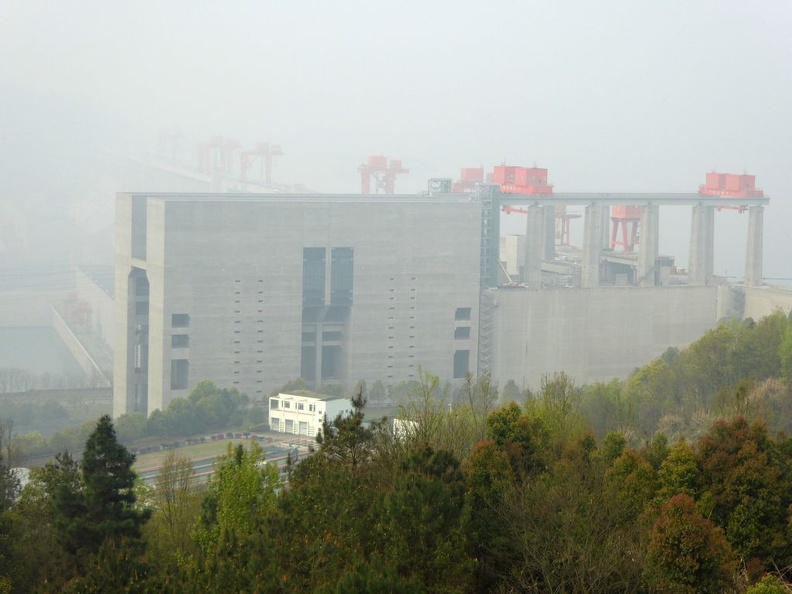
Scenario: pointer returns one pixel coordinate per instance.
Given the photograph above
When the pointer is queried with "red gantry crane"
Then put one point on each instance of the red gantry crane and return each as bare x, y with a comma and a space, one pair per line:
532, 181
383, 173
731, 185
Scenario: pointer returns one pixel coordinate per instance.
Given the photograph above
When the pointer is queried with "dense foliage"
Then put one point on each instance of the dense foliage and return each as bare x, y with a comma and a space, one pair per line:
571, 490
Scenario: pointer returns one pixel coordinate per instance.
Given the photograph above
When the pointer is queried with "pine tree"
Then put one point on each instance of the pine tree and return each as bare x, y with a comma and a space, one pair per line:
109, 481
102, 505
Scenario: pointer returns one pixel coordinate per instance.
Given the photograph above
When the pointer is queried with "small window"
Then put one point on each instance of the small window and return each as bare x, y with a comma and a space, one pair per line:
286, 404
462, 314
462, 332
300, 406
180, 320
180, 341
274, 403
312, 408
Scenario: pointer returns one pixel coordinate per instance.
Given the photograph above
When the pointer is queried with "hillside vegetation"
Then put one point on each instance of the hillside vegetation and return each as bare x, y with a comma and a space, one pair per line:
677, 480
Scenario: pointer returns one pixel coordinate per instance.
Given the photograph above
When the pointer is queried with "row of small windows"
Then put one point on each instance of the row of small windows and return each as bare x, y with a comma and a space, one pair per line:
276, 404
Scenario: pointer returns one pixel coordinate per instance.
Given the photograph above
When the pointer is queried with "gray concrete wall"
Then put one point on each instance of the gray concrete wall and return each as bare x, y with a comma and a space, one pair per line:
762, 301
594, 334
235, 267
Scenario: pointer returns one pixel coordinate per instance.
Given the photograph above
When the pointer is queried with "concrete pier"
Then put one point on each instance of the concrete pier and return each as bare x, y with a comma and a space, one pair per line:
535, 245
649, 246
592, 245
753, 260
549, 233
702, 245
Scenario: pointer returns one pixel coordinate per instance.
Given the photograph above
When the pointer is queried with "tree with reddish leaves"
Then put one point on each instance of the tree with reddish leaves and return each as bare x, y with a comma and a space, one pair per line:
687, 554
746, 487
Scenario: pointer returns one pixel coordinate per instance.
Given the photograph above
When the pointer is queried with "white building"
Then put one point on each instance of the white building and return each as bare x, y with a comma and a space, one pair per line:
302, 413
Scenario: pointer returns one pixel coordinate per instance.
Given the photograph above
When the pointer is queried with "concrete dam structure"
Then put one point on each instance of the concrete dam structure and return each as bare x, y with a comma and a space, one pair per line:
295, 285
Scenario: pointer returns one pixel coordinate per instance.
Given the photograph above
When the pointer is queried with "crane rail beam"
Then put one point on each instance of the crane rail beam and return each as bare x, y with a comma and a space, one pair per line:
636, 199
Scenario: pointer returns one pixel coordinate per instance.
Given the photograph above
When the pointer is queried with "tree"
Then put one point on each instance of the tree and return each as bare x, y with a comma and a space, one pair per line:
558, 405
177, 503
131, 426
746, 477
241, 492
770, 584
421, 526
103, 506
377, 392
346, 439
565, 532
679, 473
511, 393
687, 553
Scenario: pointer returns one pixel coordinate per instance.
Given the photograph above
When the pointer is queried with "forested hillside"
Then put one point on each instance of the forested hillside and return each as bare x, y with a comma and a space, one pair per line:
678, 480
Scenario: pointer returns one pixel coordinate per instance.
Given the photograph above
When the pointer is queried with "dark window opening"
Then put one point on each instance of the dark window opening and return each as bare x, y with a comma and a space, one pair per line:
180, 374
180, 340
462, 313
141, 286
461, 364
331, 362
313, 289
342, 264
463, 332
180, 320
308, 363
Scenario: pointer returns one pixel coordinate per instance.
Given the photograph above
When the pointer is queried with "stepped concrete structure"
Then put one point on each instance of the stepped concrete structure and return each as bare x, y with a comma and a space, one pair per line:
252, 290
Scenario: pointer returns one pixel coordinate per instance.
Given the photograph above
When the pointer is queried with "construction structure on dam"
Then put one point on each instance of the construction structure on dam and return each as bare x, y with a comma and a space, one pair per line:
251, 290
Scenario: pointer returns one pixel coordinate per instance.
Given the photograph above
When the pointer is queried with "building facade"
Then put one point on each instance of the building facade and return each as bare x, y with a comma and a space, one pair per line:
251, 291
302, 413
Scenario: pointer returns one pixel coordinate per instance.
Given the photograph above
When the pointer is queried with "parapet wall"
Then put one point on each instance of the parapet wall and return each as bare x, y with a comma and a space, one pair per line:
595, 334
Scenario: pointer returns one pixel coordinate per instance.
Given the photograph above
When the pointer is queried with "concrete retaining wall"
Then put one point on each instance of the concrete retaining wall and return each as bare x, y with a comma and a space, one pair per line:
594, 334
762, 301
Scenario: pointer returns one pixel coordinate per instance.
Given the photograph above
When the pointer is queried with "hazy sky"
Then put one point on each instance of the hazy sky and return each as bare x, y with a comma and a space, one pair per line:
609, 95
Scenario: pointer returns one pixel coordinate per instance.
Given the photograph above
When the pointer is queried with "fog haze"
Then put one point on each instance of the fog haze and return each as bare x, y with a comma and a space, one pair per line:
617, 96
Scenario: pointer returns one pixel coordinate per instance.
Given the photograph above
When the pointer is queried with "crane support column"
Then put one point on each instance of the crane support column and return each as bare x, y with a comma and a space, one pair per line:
649, 246
549, 233
702, 245
753, 260
606, 227
592, 246
535, 245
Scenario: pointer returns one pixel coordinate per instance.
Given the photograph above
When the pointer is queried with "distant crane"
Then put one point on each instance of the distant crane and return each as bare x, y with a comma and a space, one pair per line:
628, 219
264, 151
383, 173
